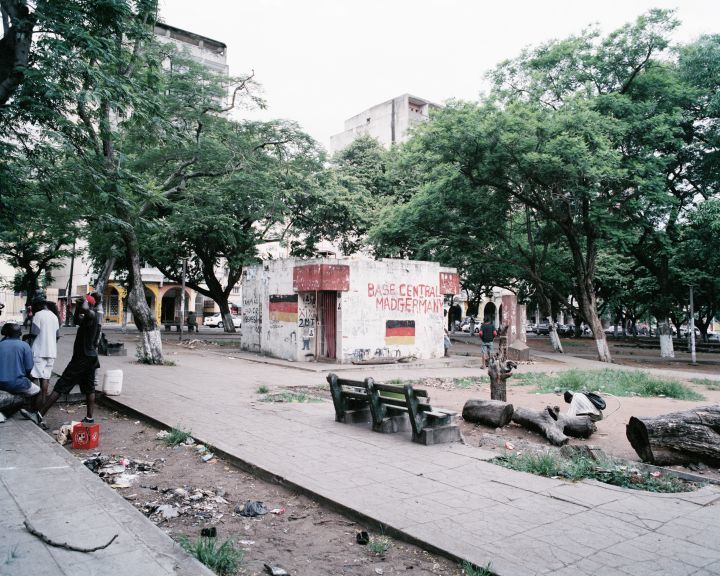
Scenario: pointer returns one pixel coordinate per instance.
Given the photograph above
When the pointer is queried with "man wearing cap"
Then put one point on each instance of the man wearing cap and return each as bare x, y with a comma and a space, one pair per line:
46, 329
16, 362
83, 364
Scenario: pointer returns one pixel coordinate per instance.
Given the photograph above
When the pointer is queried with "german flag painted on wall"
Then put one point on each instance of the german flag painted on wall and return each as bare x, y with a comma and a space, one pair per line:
284, 308
400, 332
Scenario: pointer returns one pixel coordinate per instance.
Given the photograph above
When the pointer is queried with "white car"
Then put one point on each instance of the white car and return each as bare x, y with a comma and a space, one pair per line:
216, 321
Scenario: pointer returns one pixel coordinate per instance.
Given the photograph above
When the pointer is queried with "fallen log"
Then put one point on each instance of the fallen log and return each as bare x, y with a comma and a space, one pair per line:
678, 437
554, 426
488, 412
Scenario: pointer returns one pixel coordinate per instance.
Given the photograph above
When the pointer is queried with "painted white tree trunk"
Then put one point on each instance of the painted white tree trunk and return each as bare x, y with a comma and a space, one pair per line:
555, 338
666, 341
603, 350
152, 346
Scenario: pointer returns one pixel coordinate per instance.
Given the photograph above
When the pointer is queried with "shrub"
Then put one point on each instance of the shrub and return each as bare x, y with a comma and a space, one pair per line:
224, 559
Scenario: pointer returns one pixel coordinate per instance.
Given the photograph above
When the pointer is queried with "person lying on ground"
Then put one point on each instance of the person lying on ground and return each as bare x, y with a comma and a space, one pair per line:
84, 362
16, 362
585, 404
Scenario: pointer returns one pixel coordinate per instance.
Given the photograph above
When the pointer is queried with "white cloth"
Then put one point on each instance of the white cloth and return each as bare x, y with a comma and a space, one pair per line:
47, 328
580, 405
42, 367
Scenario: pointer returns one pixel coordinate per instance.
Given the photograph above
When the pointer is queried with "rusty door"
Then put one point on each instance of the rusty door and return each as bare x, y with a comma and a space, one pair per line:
327, 324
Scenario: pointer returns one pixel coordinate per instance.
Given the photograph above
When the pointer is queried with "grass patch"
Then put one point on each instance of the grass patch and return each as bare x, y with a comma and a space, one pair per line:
262, 389
224, 559
709, 384
176, 436
469, 569
470, 382
378, 545
615, 382
579, 467
300, 397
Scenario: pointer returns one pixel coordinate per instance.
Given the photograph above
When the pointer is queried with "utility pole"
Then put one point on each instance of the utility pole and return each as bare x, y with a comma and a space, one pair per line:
692, 329
182, 298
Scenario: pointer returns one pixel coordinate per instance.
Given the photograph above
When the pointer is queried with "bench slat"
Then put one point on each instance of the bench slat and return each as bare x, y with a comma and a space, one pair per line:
395, 389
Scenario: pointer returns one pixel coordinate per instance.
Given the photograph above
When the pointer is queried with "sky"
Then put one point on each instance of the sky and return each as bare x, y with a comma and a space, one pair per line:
322, 61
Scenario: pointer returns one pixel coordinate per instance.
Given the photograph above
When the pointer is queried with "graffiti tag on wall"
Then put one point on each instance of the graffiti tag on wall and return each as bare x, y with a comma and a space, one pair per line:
413, 298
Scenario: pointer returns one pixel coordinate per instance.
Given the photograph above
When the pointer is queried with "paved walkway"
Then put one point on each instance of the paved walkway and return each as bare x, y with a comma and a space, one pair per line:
40, 482
445, 497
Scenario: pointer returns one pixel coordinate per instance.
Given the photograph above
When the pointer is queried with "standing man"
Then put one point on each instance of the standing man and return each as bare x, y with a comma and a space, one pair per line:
487, 335
83, 364
46, 329
16, 362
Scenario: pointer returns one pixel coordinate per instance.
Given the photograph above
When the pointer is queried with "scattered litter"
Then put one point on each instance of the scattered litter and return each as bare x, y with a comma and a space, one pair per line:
162, 435
379, 571
136, 422
189, 441
120, 472
251, 508
168, 511
207, 457
201, 448
209, 532
246, 542
277, 511
64, 435
276, 570
362, 538
509, 446
656, 474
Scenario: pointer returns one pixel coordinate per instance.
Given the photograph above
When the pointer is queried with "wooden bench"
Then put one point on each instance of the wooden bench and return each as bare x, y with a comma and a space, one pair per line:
391, 408
351, 399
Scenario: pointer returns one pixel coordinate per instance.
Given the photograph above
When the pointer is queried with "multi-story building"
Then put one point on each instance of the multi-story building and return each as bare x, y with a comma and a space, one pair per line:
389, 122
210, 53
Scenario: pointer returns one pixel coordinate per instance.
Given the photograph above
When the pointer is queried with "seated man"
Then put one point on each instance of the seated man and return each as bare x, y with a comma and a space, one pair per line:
16, 363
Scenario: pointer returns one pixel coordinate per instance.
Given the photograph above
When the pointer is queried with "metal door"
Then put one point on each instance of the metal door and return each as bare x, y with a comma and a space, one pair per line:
327, 320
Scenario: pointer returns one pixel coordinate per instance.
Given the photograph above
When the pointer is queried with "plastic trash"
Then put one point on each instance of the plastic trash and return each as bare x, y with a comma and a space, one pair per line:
362, 537
209, 532
251, 508
276, 570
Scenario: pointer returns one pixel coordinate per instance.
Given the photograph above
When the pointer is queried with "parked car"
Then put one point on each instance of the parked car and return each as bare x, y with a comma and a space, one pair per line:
216, 321
566, 330
542, 328
465, 325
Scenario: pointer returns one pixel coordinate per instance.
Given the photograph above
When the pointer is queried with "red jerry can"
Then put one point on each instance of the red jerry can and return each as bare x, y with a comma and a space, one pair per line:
85, 436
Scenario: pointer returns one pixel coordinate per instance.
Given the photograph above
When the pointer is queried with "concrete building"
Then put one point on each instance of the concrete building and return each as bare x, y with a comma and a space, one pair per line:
210, 53
344, 310
388, 122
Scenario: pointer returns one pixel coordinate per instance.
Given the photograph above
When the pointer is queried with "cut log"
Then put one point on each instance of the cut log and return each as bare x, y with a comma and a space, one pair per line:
541, 422
677, 438
488, 412
499, 372
554, 426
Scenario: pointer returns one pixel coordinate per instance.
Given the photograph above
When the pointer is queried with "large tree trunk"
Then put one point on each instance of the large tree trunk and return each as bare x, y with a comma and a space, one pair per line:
102, 282
666, 340
554, 426
677, 438
17, 43
143, 317
224, 305
488, 412
499, 373
555, 337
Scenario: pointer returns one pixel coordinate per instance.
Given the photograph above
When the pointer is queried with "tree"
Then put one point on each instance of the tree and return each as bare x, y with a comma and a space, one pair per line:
218, 223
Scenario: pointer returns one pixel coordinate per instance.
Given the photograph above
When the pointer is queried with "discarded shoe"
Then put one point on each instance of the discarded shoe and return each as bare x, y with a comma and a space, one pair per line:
36, 417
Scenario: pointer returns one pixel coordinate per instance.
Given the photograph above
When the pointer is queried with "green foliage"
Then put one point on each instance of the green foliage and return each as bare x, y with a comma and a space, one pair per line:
224, 559
262, 389
615, 382
176, 436
709, 384
469, 569
580, 467
299, 397
379, 545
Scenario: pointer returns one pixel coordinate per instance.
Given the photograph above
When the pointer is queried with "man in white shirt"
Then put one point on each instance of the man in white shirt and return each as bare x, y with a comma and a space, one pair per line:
46, 329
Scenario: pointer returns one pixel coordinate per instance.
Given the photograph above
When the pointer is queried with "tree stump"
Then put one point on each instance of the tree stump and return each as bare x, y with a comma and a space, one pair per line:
499, 372
554, 426
488, 412
678, 437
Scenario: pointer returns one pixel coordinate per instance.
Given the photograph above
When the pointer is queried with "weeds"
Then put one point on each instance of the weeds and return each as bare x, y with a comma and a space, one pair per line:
378, 545
604, 470
176, 436
144, 358
615, 382
224, 559
469, 569
300, 397
262, 389
709, 384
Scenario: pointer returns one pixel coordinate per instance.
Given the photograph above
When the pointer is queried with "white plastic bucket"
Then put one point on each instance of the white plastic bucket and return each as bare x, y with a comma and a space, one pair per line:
112, 383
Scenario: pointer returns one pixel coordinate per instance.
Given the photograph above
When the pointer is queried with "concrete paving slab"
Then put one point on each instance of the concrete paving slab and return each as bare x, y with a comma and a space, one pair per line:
523, 524
42, 484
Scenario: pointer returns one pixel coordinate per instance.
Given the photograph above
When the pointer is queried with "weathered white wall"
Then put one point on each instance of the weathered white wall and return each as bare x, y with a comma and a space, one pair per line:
251, 328
391, 290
